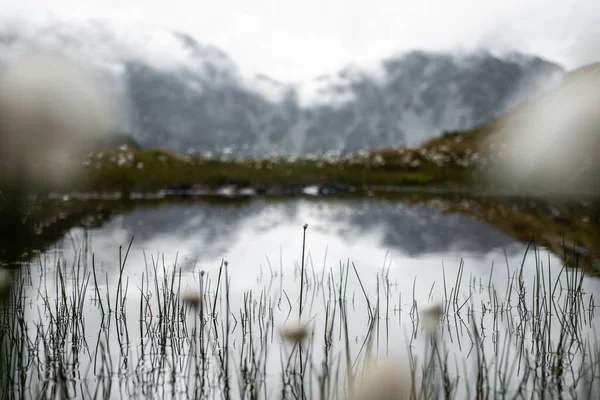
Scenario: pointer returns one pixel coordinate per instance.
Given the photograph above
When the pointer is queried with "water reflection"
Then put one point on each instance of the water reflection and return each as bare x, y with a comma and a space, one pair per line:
381, 257
205, 232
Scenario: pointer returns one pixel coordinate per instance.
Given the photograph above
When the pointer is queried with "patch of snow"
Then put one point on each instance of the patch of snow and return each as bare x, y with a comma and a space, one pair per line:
311, 190
226, 191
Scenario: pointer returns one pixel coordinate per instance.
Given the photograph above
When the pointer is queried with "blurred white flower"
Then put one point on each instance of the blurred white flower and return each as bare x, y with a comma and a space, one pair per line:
384, 380
192, 298
431, 316
51, 111
294, 332
547, 143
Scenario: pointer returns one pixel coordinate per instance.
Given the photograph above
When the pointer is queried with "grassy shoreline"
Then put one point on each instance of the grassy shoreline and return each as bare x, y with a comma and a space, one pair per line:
131, 170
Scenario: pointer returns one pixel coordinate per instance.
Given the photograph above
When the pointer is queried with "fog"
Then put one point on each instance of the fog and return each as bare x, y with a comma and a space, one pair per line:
298, 40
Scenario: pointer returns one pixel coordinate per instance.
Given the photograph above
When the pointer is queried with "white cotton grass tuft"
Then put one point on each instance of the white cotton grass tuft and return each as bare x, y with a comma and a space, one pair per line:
384, 380
431, 315
550, 145
51, 112
192, 298
294, 332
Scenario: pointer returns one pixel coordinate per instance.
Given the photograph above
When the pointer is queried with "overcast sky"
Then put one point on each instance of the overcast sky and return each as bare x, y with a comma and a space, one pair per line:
297, 40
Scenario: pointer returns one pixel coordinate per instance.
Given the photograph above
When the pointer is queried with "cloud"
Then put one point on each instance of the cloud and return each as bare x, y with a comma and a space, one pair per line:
106, 43
297, 40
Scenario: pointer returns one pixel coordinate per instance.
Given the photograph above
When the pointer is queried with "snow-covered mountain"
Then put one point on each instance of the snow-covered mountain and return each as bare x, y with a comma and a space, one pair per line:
172, 91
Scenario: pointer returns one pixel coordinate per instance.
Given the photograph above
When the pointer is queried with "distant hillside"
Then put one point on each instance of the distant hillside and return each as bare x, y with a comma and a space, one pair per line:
550, 143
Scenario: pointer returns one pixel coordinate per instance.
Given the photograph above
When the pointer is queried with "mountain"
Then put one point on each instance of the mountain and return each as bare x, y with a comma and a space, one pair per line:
416, 95
172, 91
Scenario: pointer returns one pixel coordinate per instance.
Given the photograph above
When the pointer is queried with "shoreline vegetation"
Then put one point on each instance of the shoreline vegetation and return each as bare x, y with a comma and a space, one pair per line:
127, 170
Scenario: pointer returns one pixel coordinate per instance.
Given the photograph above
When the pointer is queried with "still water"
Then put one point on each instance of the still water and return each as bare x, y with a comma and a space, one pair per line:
386, 260
253, 236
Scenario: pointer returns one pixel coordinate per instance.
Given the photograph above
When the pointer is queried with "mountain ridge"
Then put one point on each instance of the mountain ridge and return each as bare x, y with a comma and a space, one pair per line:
187, 96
